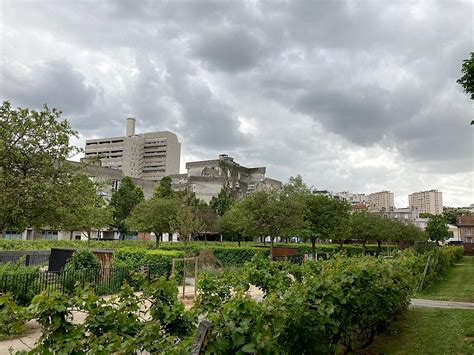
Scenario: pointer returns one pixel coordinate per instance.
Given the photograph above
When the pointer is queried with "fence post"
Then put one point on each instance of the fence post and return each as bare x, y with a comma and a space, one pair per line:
424, 272
184, 276
195, 276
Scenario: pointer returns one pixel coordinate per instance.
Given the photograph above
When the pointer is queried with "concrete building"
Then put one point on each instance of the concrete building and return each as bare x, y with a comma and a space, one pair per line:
353, 198
381, 201
148, 156
466, 228
427, 201
206, 178
406, 215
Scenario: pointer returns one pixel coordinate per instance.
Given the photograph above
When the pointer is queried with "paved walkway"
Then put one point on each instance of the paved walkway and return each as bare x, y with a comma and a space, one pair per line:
416, 302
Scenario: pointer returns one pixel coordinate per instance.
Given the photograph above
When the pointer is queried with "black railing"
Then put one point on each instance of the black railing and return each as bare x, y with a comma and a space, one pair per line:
24, 286
28, 257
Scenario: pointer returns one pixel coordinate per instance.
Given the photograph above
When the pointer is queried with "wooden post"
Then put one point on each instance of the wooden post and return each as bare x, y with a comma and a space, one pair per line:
424, 273
172, 267
184, 276
195, 276
200, 342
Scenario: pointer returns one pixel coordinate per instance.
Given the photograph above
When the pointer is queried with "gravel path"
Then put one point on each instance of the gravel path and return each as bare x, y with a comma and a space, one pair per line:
416, 302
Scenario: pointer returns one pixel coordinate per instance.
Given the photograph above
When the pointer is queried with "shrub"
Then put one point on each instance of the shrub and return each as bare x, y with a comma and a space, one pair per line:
83, 260
12, 317
159, 261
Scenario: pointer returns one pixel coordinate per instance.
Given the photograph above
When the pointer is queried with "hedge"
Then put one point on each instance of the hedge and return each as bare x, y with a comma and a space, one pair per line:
159, 261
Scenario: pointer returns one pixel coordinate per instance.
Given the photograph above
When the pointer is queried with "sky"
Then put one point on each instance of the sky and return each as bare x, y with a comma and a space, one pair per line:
353, 96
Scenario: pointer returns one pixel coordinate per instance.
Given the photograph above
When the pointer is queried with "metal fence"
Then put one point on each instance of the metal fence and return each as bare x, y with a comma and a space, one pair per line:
28, 257
24, 286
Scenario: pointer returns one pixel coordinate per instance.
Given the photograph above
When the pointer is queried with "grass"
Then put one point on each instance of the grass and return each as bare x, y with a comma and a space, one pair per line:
457, 284
428, 331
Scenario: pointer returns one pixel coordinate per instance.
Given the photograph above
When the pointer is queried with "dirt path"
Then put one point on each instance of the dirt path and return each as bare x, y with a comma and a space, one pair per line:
416, 302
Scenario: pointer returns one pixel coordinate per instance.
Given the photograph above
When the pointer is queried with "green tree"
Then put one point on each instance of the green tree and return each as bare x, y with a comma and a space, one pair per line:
209, 219
34, 146
271, 214
233, 223
222, 203
187, 224
467, 80
156, 215
164, 189
84, 209
327, 218
437, 228
123, 201
451, 214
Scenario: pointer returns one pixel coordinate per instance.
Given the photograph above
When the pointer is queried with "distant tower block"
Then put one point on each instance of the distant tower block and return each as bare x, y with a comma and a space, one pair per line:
130, 127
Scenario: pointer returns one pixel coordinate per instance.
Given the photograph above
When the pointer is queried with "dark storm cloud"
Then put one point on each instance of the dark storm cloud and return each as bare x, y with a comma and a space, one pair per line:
231, 50
314, 80
54, 82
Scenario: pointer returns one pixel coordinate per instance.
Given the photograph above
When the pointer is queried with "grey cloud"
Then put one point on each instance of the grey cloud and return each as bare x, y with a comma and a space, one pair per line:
230, 50
54, 82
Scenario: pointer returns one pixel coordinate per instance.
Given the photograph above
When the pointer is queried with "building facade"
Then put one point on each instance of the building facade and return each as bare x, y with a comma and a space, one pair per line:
147, 156
381, 201
466, 228
406, 215
427, 201
206, 178
353, 198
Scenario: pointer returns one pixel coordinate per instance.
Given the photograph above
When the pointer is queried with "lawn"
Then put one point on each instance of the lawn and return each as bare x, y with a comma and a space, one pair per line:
457, 284
428, 331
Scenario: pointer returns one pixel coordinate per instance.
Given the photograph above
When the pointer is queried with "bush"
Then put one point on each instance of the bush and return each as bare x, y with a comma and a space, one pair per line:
159, 261
12, 317
83, 260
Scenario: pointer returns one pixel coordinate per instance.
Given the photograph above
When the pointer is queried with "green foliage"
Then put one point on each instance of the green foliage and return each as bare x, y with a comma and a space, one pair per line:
123, 201
437, 228
164, 189
12, 317
451, 214
84, 209
327, 217
157, 215
34, 146
152, 322
159, 261
467, 80
83, 260
187, 224
222, 203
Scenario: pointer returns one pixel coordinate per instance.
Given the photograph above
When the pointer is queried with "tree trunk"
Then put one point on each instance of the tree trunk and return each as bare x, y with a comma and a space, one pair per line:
363, 247
157, 240
313, 248
70, 235
239, 241
341, 244
379, 242
271, 248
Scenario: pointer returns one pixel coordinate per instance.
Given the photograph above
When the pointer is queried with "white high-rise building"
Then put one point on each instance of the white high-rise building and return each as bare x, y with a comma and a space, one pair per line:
147, 155
427, 201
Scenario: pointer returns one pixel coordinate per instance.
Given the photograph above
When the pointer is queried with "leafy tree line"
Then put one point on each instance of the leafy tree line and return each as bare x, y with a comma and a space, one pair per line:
40, 190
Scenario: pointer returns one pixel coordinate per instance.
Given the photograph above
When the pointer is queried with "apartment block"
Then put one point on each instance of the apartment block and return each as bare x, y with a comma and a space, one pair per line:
381, 201
206, 178
426, 201
353, 198
148, 156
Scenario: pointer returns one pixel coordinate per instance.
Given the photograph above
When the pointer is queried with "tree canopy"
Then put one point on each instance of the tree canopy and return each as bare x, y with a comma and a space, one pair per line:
437, 229
34, 146
123, 201
467, 80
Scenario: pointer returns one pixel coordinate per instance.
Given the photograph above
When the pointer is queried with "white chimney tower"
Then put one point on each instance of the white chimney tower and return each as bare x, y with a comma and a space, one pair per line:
130, 126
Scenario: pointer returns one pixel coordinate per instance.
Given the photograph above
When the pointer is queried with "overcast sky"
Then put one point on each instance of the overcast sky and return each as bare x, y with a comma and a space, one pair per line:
354, 96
